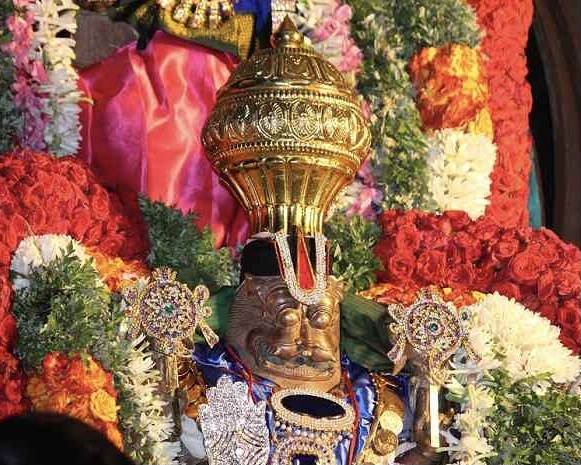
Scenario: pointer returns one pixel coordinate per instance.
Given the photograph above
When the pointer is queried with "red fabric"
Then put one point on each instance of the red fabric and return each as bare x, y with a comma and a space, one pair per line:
143, 130
304, 269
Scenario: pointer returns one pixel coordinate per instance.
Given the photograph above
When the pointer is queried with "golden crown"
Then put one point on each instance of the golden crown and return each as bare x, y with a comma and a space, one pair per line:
286, 134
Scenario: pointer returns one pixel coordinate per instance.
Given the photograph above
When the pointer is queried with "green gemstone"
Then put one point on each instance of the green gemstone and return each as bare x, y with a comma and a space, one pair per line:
433, 327
169, 309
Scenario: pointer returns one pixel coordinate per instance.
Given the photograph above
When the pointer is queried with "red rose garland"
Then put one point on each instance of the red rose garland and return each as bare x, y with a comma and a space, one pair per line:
533, 266
506, 25
40, 194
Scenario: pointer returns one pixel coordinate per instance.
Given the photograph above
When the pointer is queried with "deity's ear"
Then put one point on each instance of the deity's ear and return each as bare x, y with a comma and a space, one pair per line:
338, 287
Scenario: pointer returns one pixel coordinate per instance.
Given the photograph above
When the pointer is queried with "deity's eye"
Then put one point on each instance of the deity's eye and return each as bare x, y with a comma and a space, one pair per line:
288, 317
320, 318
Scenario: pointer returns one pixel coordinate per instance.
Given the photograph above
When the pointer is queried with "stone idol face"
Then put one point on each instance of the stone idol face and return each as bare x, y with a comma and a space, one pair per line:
283, 340
286, 135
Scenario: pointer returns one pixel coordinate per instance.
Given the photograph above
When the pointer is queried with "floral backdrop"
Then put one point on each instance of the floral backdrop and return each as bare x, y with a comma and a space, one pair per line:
441, 201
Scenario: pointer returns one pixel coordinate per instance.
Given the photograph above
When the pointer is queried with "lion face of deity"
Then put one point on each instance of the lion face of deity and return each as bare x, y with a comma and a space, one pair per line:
284, 340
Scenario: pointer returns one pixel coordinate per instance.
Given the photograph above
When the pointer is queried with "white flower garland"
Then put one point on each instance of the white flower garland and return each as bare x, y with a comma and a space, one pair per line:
52, 17
509, 336
35, 251
146, 422
460, 165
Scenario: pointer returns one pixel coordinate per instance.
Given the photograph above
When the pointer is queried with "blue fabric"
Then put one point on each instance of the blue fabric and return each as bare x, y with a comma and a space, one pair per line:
535, 205
259, 8
215, 362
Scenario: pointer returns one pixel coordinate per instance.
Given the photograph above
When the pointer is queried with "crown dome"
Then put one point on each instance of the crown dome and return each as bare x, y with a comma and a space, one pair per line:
286, 134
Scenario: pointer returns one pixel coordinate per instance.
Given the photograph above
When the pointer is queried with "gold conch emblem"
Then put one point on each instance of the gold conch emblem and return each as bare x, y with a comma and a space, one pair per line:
286, 134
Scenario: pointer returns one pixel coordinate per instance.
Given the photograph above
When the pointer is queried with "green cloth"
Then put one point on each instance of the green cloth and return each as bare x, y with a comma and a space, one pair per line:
364, 335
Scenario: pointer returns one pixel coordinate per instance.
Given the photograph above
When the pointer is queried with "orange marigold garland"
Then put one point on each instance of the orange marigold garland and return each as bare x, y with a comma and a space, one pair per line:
451, 85
78, 387
117, 273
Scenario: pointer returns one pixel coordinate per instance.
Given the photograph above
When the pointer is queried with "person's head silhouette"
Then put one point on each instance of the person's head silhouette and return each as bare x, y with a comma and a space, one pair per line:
46, 438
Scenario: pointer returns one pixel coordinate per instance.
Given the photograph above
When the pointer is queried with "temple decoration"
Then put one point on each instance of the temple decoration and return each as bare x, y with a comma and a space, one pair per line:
234, 428
286, 134
169, 312
213, 23
429, 332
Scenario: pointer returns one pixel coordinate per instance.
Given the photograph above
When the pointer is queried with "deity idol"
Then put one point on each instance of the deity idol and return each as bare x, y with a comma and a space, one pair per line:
286, 135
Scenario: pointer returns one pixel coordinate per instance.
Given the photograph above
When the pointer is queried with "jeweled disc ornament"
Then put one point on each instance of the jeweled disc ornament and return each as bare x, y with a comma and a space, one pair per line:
429, 331
234, 428
169, 312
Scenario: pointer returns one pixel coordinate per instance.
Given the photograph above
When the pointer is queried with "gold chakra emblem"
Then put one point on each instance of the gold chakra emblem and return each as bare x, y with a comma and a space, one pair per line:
169, 312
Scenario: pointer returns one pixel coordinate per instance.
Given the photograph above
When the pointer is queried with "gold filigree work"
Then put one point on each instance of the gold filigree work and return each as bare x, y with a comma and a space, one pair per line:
286, 134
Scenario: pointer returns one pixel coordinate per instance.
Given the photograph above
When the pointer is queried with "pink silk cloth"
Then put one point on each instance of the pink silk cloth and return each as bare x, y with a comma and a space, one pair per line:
143, 130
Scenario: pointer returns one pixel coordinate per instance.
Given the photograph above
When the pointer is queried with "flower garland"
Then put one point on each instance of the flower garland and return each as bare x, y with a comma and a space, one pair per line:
10, 121
41, 194
29, 75
460, 166
533, 266
327, 24
517, 347
83, 319
78, 387
45, 89
506, 26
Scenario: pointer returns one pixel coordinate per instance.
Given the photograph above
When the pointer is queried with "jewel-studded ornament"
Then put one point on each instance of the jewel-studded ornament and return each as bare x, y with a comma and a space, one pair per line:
234, 428
169, 312
429, 331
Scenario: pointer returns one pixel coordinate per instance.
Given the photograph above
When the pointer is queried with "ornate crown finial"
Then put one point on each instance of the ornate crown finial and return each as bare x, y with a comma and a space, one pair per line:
286, 135
288, 34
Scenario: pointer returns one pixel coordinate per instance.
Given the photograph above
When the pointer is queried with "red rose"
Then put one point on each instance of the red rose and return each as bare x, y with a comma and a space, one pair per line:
484, 274
407, 238
470, 246
484, 229
431, 266
507, 289
434, 240
77, 174
111, 244
93, 234
401, 266
525, 267
458, 219
546, 286
570, 338
568, 284
569, 317
99, 202
530, 300
80, 222
13, 390
461, 276
383, 250
506, 248
8, 331
549, 312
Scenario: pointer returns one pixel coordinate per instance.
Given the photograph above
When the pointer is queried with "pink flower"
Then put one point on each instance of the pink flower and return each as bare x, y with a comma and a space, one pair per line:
366, 109
363, 206
351, 57
20, 3
365, 173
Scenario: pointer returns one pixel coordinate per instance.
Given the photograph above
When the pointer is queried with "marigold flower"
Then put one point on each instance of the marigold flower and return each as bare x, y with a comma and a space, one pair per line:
103, 406
452, 88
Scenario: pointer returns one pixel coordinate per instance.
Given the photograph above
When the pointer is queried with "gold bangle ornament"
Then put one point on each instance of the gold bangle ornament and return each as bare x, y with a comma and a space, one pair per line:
301, 433
305, 423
